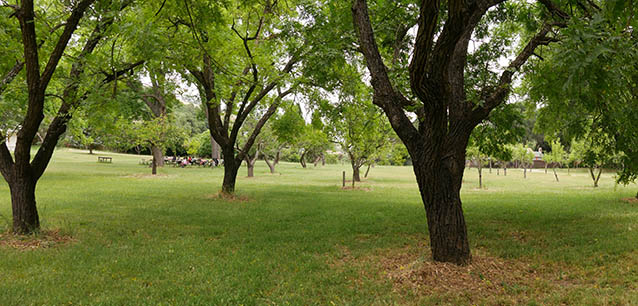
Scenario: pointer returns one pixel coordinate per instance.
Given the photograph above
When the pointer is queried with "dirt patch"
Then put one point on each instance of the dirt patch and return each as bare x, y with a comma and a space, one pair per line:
355, 188
633, 200
414, 275
485, 276
229, 197
44, 239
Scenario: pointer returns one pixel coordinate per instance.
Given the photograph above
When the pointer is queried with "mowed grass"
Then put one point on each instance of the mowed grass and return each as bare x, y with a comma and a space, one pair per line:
297, 238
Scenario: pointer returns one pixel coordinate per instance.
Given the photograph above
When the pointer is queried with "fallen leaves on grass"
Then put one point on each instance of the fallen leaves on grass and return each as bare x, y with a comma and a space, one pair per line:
631, 200
485, 276
44, 239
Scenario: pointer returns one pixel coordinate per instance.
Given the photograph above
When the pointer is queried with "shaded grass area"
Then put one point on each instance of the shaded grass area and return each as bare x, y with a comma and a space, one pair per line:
296, 237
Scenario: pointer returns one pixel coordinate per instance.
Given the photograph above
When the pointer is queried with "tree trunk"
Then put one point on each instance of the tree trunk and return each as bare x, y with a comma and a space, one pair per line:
158, 156
323, 159
480, 173
355, 172
490, 166
25, 212
505, 171
524, 171
231, 166
154, 166
270, 165
302, 159
594, 177
90, 149
367, 171
555, 174
251, 169
215, 154
545, 167
439, 180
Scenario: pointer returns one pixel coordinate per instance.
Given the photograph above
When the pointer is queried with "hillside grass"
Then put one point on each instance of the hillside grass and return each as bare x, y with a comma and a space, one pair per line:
114, 235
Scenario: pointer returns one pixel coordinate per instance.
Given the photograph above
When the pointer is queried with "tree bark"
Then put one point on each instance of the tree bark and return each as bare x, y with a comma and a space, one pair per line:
355, 173
367, 171
158, 156
439, 181
504, 170
154, 166
524, 171
25, 212
555, 174
231, 167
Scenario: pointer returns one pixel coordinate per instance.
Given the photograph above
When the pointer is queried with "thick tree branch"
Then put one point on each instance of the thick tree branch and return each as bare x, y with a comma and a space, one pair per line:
260, 124
10, 76
384, 94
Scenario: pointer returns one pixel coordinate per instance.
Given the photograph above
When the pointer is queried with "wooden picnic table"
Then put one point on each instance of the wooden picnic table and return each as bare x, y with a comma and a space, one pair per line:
104, 159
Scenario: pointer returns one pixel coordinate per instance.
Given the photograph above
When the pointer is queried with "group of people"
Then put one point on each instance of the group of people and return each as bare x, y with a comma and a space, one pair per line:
192, 161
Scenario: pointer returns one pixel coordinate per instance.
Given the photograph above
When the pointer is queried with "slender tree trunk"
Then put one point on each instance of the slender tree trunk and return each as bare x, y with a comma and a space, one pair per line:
323, 159
270, 165
594, 177
367, 171
480, 173
25, 212
251, 169
90, 149
555, 174
504, 170
317, 160
439, 180
545, 167
302, 159
158, 156
524, 171
490, 166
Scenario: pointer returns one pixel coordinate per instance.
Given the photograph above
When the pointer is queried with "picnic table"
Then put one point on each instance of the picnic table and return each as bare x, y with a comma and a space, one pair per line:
104, 159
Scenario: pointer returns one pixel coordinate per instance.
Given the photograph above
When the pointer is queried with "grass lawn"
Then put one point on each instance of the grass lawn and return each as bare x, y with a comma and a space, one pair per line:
114, 235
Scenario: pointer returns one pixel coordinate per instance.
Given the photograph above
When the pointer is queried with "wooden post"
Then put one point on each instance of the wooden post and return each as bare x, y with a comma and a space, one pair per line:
344, 179
352, 180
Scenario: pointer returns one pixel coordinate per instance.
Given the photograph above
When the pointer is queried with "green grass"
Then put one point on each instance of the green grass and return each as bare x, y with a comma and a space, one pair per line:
300, 239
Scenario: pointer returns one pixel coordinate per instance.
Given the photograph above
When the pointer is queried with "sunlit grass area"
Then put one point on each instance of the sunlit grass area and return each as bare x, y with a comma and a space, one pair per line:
296, 237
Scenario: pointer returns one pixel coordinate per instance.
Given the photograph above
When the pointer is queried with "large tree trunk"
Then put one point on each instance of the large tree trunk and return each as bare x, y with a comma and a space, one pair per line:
158, 156
154, 167
355, 173
25, 212
439, 181
231, 166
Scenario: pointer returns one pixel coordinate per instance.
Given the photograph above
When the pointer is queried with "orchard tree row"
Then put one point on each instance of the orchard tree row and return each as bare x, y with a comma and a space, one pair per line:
428, 77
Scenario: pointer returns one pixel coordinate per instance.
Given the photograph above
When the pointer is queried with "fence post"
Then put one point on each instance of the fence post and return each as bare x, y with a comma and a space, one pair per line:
344, 179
